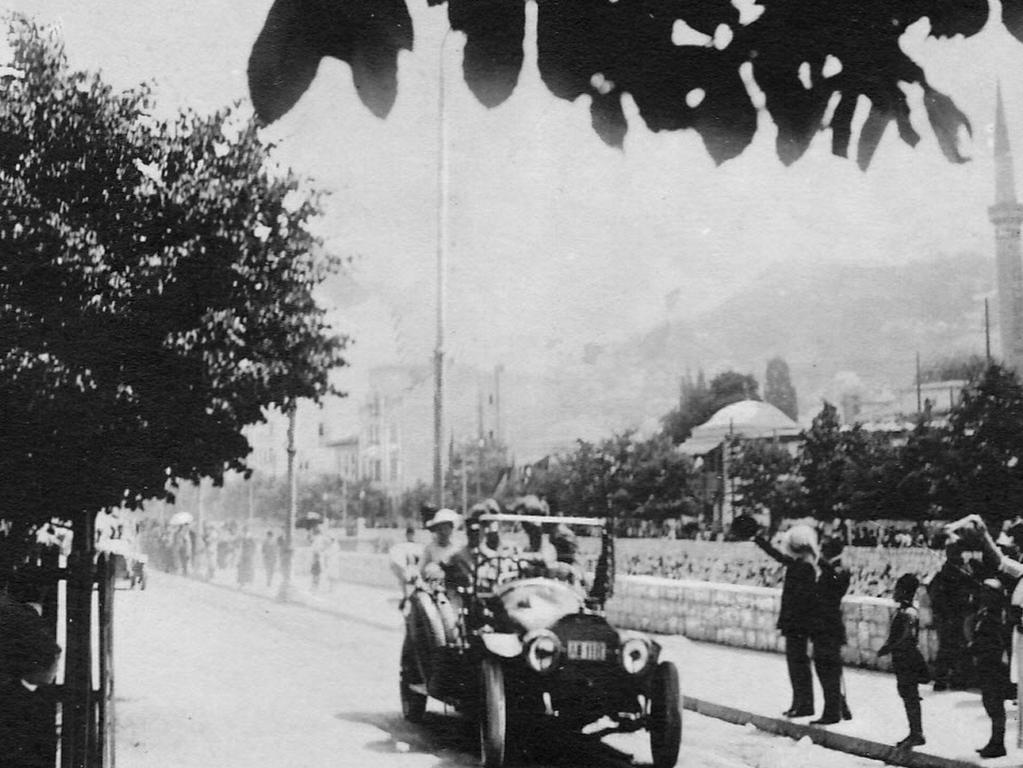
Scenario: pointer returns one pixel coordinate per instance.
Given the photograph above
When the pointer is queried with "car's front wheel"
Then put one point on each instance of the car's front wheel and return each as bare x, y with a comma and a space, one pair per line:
665, 718
493, 714
413, 703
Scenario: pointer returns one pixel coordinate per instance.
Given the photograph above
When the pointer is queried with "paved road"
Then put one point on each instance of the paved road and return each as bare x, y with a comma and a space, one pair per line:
208, 677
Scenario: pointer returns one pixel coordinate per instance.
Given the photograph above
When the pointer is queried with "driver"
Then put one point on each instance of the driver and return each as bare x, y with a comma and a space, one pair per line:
566, 547
438, 553
496, 561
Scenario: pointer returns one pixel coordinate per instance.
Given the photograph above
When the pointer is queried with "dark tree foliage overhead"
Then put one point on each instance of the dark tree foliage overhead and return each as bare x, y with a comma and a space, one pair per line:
605, 49
156, 288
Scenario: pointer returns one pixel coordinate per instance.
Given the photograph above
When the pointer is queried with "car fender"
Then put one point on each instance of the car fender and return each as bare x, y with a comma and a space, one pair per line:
507, 645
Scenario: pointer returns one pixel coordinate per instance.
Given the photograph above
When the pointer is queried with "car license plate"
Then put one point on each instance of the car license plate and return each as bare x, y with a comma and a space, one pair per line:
587, 650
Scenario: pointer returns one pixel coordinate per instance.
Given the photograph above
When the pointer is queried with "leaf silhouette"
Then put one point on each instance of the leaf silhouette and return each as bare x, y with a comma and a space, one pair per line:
1012, 17
297, 34
493, 53
801, 55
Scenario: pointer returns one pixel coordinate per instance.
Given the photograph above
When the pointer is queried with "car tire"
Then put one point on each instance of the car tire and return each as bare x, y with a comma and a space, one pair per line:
413, 704
665, 717
493, 714
427, 633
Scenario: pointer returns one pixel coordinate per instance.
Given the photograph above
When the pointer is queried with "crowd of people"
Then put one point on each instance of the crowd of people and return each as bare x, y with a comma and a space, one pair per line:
238, 551
872, 579
975, 604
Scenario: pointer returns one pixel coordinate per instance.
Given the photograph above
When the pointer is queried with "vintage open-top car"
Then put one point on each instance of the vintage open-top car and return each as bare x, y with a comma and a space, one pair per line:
514, 640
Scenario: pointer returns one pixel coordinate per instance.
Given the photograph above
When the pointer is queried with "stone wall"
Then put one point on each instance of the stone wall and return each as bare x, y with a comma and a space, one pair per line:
743, 616
729, 614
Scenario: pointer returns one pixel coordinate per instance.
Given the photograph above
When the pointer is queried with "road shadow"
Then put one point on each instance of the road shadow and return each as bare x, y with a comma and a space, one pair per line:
538, 742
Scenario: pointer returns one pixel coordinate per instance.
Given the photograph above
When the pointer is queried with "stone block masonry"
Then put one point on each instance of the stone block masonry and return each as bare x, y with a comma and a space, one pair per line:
729, 614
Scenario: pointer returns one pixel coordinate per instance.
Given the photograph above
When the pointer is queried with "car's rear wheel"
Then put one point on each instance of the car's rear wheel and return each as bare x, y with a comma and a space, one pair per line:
493, 715
665, 719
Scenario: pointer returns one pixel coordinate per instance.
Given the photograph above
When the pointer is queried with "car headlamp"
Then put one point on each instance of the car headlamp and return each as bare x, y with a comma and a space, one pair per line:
635, 655
542, 650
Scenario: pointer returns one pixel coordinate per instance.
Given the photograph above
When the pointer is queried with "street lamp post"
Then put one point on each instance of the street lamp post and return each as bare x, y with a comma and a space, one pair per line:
442, 227
289, 531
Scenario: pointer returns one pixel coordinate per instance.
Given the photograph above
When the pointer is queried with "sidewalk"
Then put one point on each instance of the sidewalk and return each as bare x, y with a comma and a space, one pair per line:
744, 686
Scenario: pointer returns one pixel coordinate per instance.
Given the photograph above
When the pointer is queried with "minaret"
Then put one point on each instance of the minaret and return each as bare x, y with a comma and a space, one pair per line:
1007, 215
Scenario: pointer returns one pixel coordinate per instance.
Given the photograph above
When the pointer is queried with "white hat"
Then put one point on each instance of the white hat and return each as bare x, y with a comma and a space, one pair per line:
444, 516
800, 540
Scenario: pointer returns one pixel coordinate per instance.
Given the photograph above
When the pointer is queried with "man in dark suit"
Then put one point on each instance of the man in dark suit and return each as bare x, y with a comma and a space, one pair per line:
798, 553
828, 631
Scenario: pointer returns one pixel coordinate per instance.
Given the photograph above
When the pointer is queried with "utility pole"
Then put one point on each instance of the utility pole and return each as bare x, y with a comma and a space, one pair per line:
289, 531
442, 231
252, 499
919, 402
987, 334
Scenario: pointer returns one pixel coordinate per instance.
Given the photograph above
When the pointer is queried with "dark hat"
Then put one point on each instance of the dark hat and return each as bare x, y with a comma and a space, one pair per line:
908, 582
745, 527
832, 547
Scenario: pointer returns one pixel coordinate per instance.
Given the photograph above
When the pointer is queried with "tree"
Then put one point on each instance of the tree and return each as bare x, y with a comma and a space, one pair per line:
981, 450
731, 387
821, 463
157, 291
765, 474
606, 50
696, 405
954, 367
778, 389
620, 477
483, 461
699, 401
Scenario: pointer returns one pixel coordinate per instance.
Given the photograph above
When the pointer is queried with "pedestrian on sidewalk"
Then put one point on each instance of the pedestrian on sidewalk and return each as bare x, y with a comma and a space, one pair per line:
989, 647
907, 661
828, 634
403, 558
950, 590
798, 553
246, 559
269, 553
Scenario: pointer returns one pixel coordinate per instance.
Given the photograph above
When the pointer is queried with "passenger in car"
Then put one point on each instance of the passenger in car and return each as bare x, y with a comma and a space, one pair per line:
438, 553
496, 561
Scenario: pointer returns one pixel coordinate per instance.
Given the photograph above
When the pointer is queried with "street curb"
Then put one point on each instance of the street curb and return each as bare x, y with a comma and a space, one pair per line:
854, 745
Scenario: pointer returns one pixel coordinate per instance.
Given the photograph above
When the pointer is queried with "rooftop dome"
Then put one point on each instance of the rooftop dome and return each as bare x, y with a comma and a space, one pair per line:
750, 418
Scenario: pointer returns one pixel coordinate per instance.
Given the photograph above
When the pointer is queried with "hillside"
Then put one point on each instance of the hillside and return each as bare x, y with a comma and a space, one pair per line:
836, 318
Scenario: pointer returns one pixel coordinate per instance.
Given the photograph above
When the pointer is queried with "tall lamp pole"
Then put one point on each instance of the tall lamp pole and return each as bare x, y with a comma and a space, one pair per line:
442, 232
289, 530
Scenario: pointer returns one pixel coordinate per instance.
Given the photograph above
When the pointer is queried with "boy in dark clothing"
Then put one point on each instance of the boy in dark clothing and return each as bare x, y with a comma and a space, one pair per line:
907, 661
988, 646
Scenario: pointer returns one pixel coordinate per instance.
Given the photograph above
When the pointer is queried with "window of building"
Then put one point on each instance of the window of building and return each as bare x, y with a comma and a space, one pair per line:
394, 467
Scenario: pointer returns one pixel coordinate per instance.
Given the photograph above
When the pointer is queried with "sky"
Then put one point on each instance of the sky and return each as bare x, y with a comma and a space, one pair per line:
554, 239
